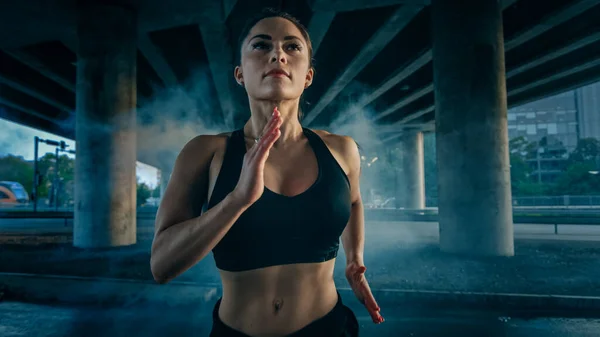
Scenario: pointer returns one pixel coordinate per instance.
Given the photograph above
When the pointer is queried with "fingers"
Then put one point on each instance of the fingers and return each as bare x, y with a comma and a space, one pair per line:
371, 305
273, 124
368, 297
361, 286
272, 120
267, 141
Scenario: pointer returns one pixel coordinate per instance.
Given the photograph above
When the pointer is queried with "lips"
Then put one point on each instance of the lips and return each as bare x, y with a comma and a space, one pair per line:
277, 72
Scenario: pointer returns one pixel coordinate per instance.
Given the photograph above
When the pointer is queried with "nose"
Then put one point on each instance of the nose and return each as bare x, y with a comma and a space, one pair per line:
278, 56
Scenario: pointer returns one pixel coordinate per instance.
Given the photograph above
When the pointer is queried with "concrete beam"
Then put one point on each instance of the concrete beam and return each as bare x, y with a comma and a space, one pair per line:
406, 101
556, 53
18, 85
399, 19
553, 91
70, 42
507, 3
220, 59
32, 112
551, 21
227, 8
35, 64
157, 60
410, 117
399, 124
318, 27
424, 127
409, 70
416, 114
400, 75
353, 5
555, 76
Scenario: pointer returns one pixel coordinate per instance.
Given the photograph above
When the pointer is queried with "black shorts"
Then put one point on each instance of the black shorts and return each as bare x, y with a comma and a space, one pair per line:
339, 322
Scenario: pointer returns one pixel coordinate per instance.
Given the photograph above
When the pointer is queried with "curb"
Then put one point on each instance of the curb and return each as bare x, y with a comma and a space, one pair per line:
127, 292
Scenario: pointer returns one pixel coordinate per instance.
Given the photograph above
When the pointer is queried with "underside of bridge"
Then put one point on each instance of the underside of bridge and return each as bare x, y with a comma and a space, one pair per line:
62, 61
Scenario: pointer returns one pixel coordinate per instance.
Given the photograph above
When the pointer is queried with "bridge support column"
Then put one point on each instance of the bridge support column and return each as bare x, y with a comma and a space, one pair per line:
474, 189
105, 173
411, 185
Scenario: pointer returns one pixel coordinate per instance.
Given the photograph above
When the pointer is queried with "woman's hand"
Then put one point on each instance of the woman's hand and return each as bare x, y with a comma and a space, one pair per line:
251, 183
355, 274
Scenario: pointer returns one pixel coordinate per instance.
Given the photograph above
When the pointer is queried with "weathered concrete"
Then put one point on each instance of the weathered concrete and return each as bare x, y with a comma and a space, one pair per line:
471, 128
411, 183
105, 172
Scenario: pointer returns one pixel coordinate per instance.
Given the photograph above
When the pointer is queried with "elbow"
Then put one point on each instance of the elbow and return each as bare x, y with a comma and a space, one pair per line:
157, 268
158, 275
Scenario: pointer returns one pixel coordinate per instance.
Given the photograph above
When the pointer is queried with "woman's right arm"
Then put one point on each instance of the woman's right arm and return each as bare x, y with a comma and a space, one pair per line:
182, 237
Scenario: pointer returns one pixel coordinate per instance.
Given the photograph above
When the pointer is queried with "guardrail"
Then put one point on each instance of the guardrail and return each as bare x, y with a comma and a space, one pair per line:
414, 215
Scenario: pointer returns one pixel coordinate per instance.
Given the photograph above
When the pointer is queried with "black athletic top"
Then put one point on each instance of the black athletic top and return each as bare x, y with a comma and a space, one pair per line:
278, 229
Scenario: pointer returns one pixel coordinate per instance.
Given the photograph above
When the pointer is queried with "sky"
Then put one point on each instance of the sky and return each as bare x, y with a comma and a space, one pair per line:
17, 140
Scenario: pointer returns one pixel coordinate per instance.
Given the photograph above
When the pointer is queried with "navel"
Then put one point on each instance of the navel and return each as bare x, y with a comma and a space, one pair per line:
277, 305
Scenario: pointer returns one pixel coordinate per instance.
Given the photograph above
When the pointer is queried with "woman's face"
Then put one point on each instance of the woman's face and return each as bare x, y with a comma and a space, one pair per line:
275, 61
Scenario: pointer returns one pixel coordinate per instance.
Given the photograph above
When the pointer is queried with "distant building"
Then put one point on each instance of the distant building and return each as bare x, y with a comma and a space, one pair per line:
563, 119
588, 103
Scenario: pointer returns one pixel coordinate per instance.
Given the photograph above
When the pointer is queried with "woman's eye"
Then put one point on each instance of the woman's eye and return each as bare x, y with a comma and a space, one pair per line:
260, 45
294, 46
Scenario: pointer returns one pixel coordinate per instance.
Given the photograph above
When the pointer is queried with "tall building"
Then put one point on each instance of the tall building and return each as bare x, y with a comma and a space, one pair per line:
562, 119
588, 107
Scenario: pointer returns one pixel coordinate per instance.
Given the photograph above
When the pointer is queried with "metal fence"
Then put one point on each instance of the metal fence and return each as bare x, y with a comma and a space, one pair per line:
566, 201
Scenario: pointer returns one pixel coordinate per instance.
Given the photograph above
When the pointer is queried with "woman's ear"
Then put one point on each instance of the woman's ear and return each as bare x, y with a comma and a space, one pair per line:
309, 77
239, 78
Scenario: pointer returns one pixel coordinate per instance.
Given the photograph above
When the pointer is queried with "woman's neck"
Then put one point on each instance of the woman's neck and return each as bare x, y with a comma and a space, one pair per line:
260, 114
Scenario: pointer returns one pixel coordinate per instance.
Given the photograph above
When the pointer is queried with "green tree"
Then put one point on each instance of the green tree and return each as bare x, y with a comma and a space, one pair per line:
521, 147
580, 177
143, 192
579, 180
552, 148
587, 151
522, 184
16, 168
64, 182
156, 192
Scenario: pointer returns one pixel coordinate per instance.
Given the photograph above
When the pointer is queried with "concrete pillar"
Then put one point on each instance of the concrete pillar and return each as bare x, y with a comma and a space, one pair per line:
411, 182
471, 128
105, 180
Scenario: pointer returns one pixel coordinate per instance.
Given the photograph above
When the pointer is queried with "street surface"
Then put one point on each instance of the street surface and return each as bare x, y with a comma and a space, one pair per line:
32, 320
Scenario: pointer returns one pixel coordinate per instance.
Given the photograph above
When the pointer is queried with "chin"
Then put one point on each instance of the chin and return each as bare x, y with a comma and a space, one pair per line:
278, 94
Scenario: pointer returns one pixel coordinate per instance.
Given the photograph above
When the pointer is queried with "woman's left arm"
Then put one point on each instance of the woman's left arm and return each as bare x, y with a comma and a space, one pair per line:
353, 237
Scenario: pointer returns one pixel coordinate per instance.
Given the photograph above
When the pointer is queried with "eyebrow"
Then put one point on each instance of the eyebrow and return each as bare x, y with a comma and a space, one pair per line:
268, 37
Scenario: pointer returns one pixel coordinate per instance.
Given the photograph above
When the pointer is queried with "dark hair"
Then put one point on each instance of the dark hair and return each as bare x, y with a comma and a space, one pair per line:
272, 13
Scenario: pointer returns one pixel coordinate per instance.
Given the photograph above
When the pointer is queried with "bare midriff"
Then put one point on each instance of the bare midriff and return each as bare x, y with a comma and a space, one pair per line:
278, 300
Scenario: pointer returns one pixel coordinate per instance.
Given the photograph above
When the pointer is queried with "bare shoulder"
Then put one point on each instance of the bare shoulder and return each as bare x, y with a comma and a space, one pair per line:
205, 143
202, 148
343, 144
344, 149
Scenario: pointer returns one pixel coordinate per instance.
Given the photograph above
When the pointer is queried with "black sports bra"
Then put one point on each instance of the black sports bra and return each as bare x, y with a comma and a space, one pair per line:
278, 229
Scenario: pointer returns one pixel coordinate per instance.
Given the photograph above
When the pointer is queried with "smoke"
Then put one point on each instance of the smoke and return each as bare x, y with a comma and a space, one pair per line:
174, 116
381, 174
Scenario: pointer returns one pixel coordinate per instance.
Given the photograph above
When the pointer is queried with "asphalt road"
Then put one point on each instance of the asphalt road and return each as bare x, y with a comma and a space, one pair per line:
33, 320
414, 228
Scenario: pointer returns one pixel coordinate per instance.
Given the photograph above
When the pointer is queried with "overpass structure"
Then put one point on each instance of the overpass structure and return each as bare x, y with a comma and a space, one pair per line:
86, 69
